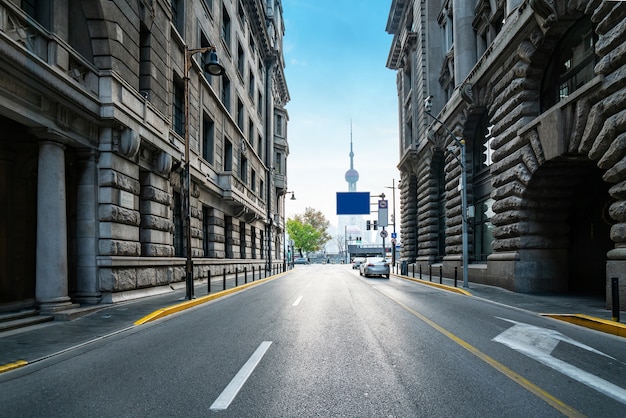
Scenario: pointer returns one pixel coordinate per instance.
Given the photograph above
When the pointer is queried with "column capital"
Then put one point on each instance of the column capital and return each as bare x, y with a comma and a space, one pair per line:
50, 134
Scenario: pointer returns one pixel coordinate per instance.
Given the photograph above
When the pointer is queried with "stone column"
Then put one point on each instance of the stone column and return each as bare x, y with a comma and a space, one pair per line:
87, 286
51, 289
464, 40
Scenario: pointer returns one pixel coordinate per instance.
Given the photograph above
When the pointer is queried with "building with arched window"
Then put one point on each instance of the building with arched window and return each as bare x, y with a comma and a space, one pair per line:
103, 104
535, 90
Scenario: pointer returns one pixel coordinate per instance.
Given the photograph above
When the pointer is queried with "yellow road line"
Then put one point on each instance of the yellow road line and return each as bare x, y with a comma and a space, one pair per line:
526, 384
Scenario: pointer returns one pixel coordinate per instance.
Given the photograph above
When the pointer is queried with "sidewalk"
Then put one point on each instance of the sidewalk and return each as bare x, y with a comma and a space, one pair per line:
28, 345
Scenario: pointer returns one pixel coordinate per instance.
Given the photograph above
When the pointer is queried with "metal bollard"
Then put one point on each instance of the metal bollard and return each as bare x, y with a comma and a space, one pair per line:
209, 282
615, 298
420, 272
430, 272
236, 277
455, 275
245, 275
440, 275
224, 279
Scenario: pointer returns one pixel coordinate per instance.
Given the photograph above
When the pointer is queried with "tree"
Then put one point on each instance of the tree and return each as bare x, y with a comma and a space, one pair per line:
340, 241
308, 230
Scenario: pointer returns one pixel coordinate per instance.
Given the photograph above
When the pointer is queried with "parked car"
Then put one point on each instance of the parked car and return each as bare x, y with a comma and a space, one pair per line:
356, 263
374, 266
300, 260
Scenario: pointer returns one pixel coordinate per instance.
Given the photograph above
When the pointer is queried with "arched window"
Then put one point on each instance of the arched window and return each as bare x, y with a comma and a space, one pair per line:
571, 65
439, 174
481, 182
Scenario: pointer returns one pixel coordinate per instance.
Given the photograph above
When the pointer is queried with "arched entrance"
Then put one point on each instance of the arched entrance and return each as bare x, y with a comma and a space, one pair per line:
18, 215
566, 228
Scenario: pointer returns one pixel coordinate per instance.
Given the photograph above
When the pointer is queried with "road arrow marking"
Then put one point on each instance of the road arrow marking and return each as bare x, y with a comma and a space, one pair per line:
538, 344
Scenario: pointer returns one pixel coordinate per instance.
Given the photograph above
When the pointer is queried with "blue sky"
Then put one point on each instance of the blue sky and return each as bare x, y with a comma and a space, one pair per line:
335, 54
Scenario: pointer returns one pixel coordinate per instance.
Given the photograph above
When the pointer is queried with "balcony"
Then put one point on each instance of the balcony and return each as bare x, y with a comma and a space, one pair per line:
237, 194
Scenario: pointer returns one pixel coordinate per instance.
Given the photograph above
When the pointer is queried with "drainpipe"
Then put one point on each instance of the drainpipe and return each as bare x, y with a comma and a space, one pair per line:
269, 151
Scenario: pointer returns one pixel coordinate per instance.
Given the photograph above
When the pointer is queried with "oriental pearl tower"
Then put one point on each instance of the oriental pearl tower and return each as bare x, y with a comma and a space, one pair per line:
352, 176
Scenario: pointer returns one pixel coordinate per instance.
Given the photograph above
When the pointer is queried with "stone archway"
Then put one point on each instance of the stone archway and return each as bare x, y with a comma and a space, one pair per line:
564, 229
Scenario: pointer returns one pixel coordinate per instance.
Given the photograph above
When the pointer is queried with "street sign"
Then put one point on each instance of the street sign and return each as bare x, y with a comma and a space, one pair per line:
383, 213
394, 235
383, 233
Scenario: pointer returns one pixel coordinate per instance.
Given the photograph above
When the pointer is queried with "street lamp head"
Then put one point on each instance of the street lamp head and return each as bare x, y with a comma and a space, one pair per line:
214, 67
428, 103
293, 196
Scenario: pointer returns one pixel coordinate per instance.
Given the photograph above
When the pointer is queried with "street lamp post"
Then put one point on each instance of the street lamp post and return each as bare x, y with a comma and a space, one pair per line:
461, 144
285, 253
213, 67
393, 240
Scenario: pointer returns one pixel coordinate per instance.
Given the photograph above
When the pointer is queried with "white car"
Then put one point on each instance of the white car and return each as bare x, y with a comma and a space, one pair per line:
374, 266
356, 263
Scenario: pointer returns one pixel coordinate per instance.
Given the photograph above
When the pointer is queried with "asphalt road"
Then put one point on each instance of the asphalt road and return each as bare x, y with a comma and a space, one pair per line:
324, 342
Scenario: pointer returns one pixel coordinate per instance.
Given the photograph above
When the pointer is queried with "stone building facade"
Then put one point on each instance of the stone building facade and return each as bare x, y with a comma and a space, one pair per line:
92, 146
535, 91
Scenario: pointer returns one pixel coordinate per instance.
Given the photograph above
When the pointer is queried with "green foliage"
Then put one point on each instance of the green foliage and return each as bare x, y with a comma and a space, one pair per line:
308, 231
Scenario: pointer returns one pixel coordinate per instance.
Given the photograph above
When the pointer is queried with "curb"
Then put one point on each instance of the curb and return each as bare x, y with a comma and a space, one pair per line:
440, 286
586, 321
179, 307
603, 325
163, 312
12, 366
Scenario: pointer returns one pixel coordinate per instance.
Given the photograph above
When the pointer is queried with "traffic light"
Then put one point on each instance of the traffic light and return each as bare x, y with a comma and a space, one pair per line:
368, 225
375, 226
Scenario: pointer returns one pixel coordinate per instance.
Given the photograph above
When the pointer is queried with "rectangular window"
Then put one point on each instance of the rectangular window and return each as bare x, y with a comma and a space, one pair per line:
242, 240
279, 163
241, 60
278, 128
259, 106
206, 214
178, 15
253, 180
262, 189
251, 88
262, 241
243, 169
179, 108
253, 241
228, 229
260, 146
208, 139
226, 27
178, 226
241, 12
228, 155
225, 96
240, 114
145, 60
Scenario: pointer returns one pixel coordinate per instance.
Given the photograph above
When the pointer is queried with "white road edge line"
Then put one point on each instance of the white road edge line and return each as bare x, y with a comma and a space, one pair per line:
226, 397
297, 302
